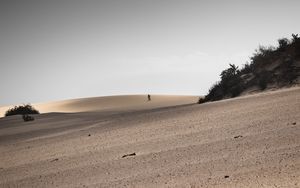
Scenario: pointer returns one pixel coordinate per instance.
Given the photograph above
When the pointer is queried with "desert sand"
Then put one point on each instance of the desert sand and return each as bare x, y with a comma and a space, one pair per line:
249, 141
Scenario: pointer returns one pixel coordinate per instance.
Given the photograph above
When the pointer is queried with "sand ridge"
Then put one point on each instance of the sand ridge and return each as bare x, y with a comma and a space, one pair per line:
111, 103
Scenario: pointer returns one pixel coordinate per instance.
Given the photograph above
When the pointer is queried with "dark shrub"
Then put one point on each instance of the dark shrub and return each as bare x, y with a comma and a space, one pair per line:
201, 100
231, 85
247, 68
262, 83
21, 110
296, 44
290, 72
295, 38
236, 90
263, 79
216, 92
27, 117
283, 43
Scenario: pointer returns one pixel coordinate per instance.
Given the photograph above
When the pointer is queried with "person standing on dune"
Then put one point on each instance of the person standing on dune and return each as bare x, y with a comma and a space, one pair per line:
149, 97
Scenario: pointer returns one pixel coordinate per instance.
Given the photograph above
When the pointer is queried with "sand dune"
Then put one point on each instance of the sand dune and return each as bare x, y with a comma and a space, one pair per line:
251, 141
111, 103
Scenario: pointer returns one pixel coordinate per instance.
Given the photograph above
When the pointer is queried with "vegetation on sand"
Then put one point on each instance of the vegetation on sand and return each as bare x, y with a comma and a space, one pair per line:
21, 110
277, 66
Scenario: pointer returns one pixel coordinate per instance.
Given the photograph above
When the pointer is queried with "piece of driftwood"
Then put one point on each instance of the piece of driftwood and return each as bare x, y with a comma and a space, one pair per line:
54, 160
128, 155
239, 136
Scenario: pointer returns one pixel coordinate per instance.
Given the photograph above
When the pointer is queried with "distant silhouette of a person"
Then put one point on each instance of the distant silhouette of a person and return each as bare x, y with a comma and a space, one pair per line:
149, 97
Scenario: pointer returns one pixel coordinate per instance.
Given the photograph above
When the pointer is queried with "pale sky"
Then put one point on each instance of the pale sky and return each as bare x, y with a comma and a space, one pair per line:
55, 49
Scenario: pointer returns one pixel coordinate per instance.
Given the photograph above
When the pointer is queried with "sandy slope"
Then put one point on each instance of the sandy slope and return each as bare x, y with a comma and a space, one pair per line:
254, 140
111, 103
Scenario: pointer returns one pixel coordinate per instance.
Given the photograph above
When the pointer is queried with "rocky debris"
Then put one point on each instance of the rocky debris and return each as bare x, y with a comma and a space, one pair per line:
239, 136
128, 155
54, 160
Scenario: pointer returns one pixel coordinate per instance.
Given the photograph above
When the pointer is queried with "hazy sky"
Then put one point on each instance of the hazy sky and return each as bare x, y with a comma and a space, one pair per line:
51, 50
